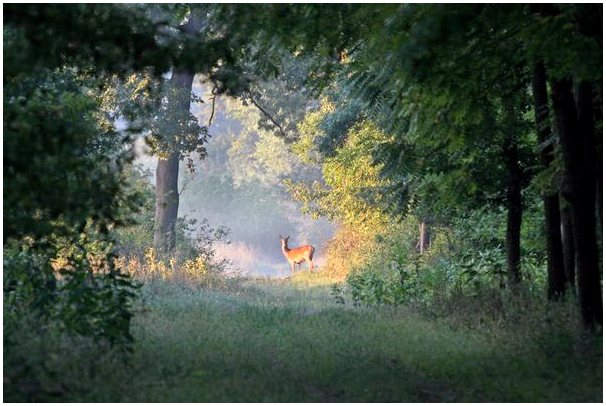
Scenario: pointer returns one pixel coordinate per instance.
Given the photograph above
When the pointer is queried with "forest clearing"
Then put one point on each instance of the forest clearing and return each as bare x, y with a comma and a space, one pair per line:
302, 202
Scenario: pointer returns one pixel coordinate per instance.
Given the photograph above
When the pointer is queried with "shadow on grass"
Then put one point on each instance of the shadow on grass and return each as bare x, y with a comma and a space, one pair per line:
289, 341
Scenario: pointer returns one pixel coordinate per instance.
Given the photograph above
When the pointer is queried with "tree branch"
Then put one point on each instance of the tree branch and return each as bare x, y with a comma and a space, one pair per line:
185, 184
262, 110
212, 111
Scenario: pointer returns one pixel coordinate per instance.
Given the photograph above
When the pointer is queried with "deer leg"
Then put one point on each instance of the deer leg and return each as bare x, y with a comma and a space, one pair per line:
292, 267
311, 265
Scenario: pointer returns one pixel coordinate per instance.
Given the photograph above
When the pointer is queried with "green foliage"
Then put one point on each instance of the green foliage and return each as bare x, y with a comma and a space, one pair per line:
174, 128
353, 191
133, 99
255, 154
109, 37
84, 172
465, 259
136, 235
80, 291
393, 273
64, 193
54, 120
553, 36
277, 92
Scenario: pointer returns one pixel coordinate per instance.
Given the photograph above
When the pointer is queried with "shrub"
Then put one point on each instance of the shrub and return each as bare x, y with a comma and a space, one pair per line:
466, 258
346, 250
195, 260
75, 285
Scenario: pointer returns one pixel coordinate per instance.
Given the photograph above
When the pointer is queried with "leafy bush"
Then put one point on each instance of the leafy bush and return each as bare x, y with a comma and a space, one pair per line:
58, 253
465, 259
194, 261
390, 272
346, 250
74, 285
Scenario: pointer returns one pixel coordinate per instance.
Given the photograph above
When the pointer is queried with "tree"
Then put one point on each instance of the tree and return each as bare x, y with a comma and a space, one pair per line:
68, 75
176, 128
458, 101
65, 191
551, 200
575, 26
582, 199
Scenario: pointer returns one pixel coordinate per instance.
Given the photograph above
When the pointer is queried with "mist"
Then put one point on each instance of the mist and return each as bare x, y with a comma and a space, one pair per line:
233, 187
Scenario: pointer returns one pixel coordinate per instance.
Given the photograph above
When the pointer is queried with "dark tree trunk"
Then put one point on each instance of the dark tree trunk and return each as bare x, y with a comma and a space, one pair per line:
598, 117
568, 243
424, 236
514, 212
577, 140
598, 196
167, 171
585, 113
556, 277
167, 203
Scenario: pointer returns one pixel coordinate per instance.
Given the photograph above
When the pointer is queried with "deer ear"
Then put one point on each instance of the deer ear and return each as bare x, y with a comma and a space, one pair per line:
287, 237
280, 236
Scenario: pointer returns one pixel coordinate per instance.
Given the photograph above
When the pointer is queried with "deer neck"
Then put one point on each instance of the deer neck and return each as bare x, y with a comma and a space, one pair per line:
285, 249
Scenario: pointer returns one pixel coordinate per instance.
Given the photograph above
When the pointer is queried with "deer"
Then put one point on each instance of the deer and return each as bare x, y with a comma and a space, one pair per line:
297, 255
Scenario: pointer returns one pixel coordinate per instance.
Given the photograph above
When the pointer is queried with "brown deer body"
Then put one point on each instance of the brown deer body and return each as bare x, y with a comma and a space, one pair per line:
297, 255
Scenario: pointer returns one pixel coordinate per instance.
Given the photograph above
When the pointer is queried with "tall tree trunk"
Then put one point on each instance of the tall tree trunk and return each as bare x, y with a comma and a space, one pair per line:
514, 212
598, 197
167, 203
576, 140
556, 277
585, 114
598, 118
424, 236
167, 171
568, 243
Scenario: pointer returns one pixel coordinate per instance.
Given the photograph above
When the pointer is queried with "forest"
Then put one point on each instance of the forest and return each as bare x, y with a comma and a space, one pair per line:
302, 202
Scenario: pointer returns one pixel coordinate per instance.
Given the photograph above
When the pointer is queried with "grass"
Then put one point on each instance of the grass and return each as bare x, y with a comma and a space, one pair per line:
289, 341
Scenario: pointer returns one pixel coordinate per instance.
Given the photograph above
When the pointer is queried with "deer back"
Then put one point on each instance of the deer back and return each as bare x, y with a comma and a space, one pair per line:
298, 254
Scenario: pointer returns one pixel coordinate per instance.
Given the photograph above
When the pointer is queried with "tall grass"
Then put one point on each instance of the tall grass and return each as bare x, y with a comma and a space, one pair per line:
289, 341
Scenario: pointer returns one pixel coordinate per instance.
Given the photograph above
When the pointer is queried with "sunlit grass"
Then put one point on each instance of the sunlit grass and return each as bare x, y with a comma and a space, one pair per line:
313, 279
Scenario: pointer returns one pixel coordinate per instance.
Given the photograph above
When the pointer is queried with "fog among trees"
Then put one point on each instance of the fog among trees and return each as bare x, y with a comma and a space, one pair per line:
243, 171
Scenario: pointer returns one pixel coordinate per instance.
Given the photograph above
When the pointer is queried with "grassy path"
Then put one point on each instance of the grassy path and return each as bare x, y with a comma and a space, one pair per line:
288, 341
